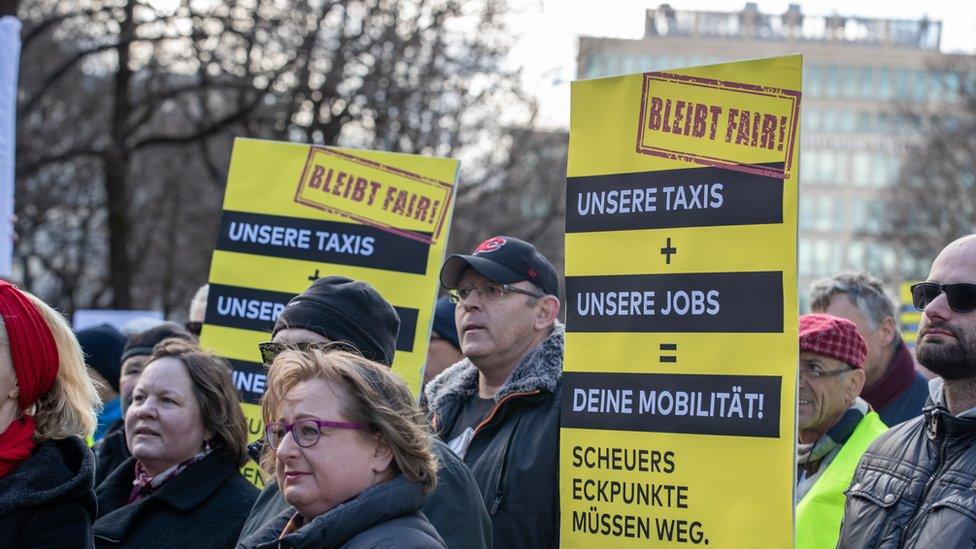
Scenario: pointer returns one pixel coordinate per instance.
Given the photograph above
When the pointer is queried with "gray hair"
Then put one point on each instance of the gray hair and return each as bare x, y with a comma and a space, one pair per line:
866, 292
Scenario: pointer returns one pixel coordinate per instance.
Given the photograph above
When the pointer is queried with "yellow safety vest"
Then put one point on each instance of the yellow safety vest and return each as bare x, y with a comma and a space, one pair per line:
819, 513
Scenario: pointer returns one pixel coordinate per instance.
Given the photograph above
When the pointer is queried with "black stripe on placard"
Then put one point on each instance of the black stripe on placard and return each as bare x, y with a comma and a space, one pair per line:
321, 241
257, 310
735, 405
250, 379
696, 197
698, 302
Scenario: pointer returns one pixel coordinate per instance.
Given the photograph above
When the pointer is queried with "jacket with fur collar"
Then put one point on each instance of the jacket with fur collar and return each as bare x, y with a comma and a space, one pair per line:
514, 454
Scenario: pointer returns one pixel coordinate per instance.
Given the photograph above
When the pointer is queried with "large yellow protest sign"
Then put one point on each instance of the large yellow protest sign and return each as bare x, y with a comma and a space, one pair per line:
295, 213
679, 387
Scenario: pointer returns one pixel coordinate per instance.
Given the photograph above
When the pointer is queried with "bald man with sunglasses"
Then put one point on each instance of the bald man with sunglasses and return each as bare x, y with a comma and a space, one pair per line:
336, 312
915, 487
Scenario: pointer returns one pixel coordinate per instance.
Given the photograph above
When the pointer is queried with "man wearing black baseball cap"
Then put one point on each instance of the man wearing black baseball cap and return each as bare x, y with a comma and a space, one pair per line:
498, 408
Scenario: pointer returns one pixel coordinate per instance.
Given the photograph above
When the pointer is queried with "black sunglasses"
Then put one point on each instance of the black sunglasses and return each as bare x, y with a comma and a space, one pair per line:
271, 349
960, 297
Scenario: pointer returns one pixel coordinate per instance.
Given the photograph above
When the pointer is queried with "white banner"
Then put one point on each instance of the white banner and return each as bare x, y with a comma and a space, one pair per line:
9, 62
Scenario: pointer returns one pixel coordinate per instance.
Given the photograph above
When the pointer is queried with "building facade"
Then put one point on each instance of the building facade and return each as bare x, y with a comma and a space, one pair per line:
860, 77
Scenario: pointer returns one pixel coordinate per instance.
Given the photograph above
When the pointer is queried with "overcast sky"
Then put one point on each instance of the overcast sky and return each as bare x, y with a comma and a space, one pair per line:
548, 32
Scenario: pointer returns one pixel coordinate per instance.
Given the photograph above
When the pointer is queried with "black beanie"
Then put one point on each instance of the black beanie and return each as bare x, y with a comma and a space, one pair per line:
345, 310
103, 346
142, 343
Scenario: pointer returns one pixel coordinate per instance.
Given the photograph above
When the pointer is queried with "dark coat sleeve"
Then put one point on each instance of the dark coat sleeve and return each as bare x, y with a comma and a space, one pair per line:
64, 525
456, 507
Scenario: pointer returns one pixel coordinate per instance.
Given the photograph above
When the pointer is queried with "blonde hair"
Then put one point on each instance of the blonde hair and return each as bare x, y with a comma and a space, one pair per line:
376, 397
70, 406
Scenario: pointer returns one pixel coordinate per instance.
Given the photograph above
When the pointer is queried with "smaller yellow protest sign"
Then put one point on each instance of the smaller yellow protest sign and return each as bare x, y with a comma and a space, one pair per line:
908, 315
296, 213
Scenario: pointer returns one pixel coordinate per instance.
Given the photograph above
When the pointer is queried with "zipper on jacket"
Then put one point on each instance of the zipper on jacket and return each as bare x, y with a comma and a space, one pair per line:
491, 414
940, 462
501, 477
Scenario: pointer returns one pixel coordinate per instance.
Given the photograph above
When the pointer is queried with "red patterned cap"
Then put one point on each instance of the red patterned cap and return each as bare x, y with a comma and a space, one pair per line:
833, 337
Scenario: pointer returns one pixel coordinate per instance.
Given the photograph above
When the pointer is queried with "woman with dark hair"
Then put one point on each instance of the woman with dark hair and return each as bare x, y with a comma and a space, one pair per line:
187, 435
47, 408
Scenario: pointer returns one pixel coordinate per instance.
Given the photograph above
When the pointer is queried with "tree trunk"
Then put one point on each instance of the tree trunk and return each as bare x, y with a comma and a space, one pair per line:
119, 264
116, 165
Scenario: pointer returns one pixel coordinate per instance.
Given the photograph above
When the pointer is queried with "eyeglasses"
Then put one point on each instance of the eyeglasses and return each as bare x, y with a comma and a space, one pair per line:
271, 349
305, 431
488, 291
960, 297
817, 373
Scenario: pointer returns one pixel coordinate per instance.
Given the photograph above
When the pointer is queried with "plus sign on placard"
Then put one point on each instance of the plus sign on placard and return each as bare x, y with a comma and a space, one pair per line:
667, 251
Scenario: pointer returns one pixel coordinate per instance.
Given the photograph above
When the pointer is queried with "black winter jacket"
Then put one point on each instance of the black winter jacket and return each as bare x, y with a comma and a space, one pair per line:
111, 451
385, 516
204, 506
514, 454
455, 507
915, 487
47, 501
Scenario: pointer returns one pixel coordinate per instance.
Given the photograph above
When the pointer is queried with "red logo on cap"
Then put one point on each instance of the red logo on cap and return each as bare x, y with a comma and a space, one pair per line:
490, 245
532, 273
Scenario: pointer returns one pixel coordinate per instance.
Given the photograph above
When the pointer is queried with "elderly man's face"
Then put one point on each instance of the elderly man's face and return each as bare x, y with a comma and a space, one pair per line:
947, 339
827, 389
877, 338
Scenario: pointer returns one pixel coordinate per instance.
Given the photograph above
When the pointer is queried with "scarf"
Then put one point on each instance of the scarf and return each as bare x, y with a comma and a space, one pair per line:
145, 484
35, 360
898, 377
294, 524
812, 459
16, 444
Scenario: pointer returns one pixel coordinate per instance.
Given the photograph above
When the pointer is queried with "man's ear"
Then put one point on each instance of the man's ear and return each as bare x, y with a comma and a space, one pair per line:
548, 312
854, 383
888, 330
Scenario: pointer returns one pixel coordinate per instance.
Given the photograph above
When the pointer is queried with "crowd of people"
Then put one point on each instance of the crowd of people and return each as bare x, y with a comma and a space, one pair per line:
111, 440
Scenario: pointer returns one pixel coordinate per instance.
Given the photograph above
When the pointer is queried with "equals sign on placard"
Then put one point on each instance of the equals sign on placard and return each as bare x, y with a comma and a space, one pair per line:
669, 347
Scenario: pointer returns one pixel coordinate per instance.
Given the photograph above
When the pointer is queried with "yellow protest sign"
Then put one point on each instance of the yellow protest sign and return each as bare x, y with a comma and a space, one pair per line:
679, 387
908, 316
294, 213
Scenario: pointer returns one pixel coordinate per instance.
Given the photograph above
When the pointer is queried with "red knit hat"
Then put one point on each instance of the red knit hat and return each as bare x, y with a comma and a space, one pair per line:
833, 337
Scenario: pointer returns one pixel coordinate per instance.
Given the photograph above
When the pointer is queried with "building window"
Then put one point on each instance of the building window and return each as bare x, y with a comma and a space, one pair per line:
822, 258
861, 168
814, 84
809, 160
811, 120
804, 259
850, 82
831, 81
867, 83
855, 256
884, 84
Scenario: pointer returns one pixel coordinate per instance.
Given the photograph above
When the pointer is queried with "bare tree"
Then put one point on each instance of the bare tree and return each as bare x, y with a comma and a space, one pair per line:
934, 198
128, 111
522, 194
